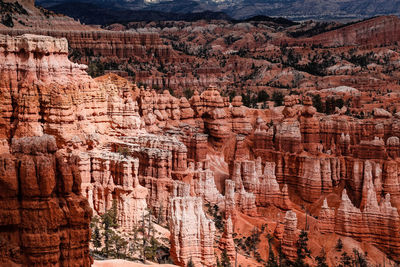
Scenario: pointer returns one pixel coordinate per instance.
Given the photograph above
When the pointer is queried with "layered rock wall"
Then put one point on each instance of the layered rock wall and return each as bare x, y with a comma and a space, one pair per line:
110, 45
192, 234
44, 219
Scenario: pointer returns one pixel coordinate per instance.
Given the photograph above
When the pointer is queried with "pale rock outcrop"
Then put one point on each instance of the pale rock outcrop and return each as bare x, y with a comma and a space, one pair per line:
114, 177
204, 185
246, 202
122, 110
230, 202
192, 234
393, 146
261, 183
380, 113
43, 90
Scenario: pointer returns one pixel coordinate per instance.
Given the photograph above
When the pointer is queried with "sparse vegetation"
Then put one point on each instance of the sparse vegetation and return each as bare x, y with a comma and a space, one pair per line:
339, 245
277, 97
213, 210
139, 244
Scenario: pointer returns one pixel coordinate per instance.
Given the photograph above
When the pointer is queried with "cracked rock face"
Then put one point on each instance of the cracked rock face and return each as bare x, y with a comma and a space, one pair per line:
192, 233
44, 219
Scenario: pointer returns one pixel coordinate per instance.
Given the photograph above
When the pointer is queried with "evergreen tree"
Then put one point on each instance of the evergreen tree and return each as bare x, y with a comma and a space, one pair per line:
143, 230
151, 249
96, 238
107, 241
114, 213
360, 259
321, 259
283, 261
119, 245
302, 249
271, 257
345, 260
278, 98
225, 261
218, 262
317, 103
108, 220
262, 96
190, 263
339, 245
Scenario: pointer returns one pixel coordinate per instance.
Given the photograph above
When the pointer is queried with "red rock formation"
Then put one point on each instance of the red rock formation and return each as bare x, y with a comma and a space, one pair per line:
204, 185
196, 144
240, 122
192, 234
230, 202
309, 127
379, 30
226, 241
107, 45
288, 135
44, 219
215, 116
393, 146
374, 149
262, 184
290, 235
246, 202
263, 136
376, 223
114, 176
326, 219
105, 122
43, 92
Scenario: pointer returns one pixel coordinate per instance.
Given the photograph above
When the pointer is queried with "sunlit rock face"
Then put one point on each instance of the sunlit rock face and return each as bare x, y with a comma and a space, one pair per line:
192, 234
151, 151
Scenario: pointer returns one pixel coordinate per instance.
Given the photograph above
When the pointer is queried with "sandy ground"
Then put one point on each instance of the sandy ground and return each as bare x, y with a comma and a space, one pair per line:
123, 263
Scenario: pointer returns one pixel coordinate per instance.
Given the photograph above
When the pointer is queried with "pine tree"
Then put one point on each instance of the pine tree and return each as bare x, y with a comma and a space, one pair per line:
96, 238
109, 220
190, 263
271, 257
321, 259
345, 260
360, 258
302, 249
225, 261
114, 213
218, 262
339, 245
283, 261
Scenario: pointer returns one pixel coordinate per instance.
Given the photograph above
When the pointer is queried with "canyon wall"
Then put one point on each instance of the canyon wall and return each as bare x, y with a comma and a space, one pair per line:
44, 219
148, 150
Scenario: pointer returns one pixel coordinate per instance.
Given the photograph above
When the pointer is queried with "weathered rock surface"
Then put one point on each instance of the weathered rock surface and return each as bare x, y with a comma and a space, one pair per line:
192, 234
226, 242
290, 235
44, 219
147, 149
